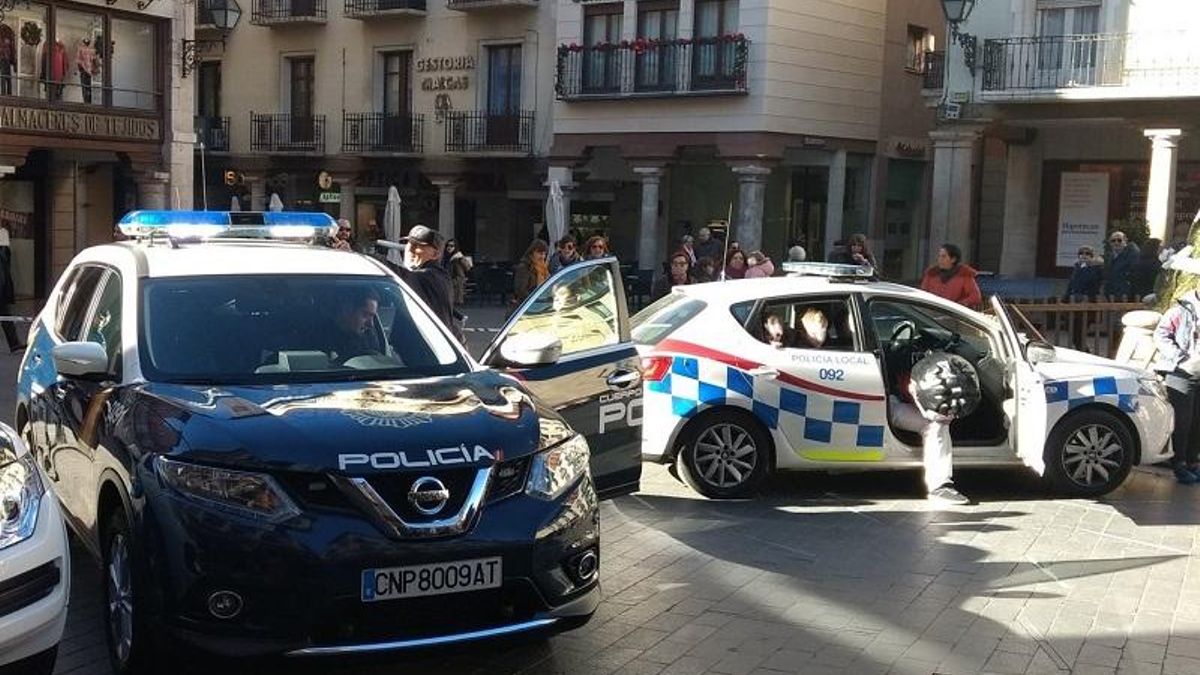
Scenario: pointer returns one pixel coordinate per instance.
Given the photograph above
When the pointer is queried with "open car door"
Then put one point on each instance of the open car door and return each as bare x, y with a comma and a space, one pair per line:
1028, 416
569, 342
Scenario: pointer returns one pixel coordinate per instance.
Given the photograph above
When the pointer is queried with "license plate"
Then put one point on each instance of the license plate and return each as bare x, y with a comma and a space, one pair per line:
415, 581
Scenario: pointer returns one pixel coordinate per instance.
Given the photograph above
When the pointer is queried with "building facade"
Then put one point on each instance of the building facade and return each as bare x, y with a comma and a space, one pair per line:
330, 103
93, 123
799, 121
1062, 120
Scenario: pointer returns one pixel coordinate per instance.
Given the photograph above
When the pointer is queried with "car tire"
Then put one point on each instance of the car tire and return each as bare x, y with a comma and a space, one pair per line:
130, 641
726, 455
38, 664
1088, 454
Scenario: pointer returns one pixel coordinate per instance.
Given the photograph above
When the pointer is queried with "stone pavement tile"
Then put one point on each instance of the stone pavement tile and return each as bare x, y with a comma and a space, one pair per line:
913, 667
1007, 662
641, 639
686, 665
640, 667
1154, 627
1180, 665
1184, 646
740, 663
693, 633
1130, 667
666, 651
1018, 644
1044, 664
788, 660
1144, 651
1089, 669
928, 650
836, 655
1098, 654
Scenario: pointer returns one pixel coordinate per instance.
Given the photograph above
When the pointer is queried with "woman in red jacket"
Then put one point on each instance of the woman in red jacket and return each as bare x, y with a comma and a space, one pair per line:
951, 279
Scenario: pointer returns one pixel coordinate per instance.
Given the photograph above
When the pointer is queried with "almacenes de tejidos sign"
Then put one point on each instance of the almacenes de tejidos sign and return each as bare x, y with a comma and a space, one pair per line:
72, 123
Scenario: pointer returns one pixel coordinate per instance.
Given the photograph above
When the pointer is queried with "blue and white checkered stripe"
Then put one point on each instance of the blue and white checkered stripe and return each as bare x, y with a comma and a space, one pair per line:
695, 384
1063, 396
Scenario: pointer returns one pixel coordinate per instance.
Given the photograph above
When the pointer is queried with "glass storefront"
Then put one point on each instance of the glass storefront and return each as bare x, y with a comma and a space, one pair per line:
85, 57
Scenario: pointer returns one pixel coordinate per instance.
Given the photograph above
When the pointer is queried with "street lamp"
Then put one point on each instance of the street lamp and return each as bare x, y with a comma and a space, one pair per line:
225, 16
957, 12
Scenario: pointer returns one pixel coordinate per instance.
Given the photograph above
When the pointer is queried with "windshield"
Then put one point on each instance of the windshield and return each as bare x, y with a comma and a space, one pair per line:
288, 328
661, 318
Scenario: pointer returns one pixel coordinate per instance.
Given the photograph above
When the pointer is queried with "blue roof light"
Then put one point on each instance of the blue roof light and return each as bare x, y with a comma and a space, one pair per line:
206, 224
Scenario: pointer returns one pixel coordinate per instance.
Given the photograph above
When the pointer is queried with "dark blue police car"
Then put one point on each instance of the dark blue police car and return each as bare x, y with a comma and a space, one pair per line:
275, 448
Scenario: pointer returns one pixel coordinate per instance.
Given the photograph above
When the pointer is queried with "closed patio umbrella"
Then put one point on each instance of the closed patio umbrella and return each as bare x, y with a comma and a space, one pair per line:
391, 224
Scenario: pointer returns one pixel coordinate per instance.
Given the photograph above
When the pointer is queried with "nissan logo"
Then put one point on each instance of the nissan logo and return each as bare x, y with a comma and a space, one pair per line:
428, 495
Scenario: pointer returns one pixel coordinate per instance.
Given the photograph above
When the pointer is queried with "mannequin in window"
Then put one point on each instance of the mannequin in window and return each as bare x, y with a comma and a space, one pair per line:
8, 57
58, 69
86, 63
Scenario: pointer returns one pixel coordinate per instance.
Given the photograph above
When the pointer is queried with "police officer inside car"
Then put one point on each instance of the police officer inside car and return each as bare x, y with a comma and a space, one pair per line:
422, 273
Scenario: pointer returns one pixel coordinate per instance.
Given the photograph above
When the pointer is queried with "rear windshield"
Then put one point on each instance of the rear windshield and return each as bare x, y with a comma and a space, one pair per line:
663, 317
288, 328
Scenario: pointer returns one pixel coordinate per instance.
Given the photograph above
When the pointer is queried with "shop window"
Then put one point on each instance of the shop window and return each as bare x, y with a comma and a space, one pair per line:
133, 73
75, 71
23, 41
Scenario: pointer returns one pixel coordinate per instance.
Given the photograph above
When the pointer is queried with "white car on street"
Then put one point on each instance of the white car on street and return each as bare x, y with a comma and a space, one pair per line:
35, 563
730, 408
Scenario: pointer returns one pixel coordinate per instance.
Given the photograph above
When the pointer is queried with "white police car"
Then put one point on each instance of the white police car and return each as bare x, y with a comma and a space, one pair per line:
729, 408
35, 563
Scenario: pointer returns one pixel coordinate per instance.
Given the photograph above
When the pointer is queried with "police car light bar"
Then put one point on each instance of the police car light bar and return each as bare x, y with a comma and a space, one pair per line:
230, 224
837, 271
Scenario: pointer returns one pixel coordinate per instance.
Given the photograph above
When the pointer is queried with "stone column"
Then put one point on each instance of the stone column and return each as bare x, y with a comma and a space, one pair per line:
648, 255
752, 190
152, 190
1160, 196
953, 190
1021, 191
835, 201
347, 203
258, 193
446, 188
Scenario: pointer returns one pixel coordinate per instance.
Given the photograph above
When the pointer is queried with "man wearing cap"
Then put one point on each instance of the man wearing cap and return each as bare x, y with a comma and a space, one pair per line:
421, 271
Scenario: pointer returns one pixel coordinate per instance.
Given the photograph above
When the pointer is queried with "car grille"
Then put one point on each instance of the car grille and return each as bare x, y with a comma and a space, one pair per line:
314, 490
27, 588
351, 620
508, 479
394, 487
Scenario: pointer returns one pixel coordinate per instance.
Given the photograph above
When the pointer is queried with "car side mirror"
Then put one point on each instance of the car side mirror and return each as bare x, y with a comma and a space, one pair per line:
1039, 352
82, 360
531, 349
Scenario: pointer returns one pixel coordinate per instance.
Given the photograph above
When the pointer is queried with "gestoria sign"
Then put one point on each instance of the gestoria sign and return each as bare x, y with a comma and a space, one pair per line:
71, 123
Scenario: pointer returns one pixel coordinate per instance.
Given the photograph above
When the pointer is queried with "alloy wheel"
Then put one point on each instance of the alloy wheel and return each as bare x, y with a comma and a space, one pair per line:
120, 598
725, 455
1092, 455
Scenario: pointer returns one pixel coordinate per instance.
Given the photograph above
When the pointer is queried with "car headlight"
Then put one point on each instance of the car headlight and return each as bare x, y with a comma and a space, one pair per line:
553, 471
253, 495
1155, 386
21, 491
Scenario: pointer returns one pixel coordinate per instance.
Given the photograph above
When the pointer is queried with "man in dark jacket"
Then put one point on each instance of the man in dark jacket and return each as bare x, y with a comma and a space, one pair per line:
708, 246
1123, 254
421, 271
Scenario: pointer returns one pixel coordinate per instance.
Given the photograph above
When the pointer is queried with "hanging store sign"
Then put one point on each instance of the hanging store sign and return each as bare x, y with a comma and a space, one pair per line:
71, 123
445, 64
1082, 213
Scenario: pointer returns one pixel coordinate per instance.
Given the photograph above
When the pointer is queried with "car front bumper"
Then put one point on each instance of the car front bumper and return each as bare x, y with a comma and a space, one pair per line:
301, 582
35, 577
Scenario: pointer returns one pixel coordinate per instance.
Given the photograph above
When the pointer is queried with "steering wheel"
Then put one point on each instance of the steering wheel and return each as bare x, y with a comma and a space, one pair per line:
905, 326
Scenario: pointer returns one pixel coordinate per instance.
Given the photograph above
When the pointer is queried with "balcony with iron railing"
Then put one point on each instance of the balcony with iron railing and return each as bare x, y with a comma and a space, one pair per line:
933, 71
367, 9
287, 134
651, 68
213, 132
381, 133
285, 12
475, 131
466, 5
1092, 66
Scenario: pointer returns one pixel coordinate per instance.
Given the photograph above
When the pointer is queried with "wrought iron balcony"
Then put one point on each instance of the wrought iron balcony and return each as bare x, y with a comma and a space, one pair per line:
1154, 64
283, 12
933, 71
480, 131
380, 133
685, 67
364, 9
466, 5
213, 132
287, 134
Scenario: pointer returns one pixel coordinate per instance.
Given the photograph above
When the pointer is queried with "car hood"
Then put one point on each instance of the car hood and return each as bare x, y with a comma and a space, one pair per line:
351, 427
1069, 364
